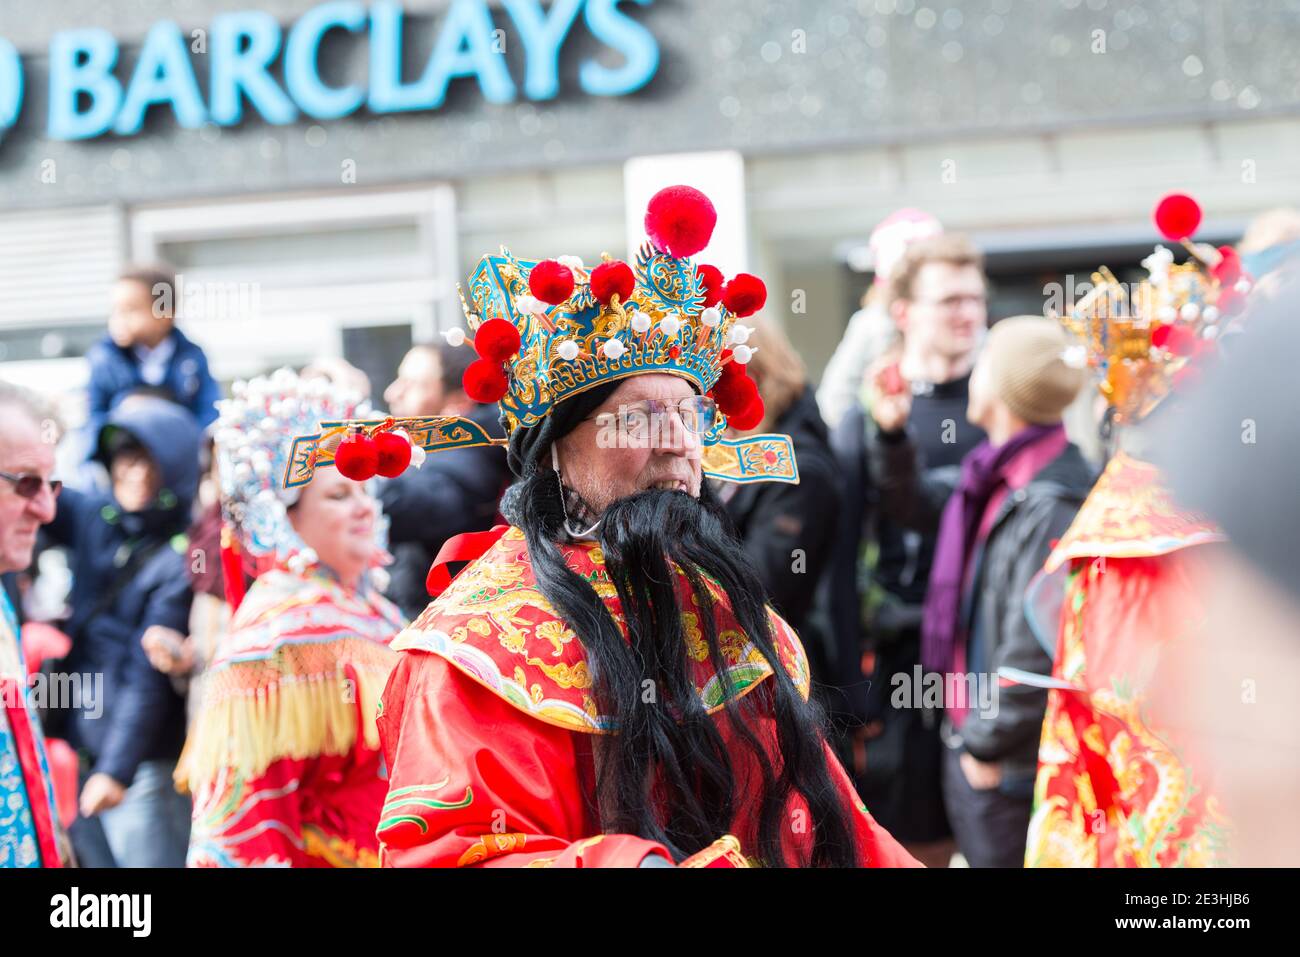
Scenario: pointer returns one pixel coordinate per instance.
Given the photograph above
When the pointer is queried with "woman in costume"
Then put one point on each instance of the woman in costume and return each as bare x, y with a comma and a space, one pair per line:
283, 757
1118, 784
605, 684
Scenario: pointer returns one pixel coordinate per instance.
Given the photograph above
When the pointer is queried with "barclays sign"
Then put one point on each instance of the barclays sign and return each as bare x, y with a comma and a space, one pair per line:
87, 97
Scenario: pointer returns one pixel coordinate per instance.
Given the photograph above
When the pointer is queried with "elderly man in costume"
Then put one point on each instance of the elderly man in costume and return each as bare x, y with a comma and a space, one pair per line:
283, 756
605, 684
1120, 783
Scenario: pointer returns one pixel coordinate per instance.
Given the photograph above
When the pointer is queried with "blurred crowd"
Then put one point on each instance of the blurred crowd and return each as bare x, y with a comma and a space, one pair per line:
940, 460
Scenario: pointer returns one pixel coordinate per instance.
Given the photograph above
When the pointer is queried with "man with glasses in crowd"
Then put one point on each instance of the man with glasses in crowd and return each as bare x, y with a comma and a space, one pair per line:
606, 683
29, 830
918, 391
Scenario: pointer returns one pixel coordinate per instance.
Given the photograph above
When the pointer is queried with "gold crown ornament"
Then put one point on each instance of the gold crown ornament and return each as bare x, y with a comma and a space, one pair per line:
1143, 340
547, 330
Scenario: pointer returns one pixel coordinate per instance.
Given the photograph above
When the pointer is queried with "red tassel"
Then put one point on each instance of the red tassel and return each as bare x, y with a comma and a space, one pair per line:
232, 569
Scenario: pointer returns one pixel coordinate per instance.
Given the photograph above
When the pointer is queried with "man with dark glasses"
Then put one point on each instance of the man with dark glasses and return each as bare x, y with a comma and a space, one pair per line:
29, 831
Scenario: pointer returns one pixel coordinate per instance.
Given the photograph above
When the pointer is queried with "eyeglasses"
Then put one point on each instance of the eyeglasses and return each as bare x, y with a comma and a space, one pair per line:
698, 413
953, 302
29, 486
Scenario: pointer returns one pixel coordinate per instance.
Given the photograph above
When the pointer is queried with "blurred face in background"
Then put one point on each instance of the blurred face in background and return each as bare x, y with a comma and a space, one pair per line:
133, 321
136, 479
22, 452
418, 389
947, 312
335, 517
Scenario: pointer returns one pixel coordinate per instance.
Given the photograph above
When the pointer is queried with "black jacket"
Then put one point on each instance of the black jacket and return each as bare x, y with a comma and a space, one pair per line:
129, 571
895, 585
787, 529
453, 492
1029, 521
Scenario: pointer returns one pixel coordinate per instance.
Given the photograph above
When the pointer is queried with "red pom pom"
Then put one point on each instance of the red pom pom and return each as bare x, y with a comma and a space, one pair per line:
744, 295
1177, 216
485, 381
732, 369
357, 457
749, 417
551, 281
679, 220
734, 393
1175, 339
1228, 270
394, 454
496, 340
710, 283
610, 278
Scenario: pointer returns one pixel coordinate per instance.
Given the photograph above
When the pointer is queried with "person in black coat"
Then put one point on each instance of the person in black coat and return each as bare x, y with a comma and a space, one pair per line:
453, 492
129, 565
787, 530
1016, 495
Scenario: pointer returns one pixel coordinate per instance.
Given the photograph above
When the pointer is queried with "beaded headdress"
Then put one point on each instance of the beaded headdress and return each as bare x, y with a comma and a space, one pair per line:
1142, 340
548, 330
252, 457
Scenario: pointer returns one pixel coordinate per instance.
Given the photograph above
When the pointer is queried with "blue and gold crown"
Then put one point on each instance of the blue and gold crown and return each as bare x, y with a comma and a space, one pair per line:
664, 326
548, 330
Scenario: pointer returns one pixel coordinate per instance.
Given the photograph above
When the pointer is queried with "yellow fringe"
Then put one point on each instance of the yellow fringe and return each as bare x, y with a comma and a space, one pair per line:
292, 716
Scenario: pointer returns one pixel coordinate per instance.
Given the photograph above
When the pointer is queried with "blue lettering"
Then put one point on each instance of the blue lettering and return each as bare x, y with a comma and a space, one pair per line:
11, 85
163, 74
236, 70
388, 94
301, 69
465, 49
70, 75
542, 34
635, 42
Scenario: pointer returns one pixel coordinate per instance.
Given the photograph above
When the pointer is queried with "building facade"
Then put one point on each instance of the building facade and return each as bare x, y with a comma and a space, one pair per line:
322, 174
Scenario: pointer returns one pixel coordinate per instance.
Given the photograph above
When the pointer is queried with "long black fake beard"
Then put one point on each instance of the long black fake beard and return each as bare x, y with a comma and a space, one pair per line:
667, 775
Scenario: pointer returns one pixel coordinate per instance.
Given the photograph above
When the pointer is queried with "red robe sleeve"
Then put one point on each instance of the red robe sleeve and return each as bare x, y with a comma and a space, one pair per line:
876, 846
249, 822
473, 781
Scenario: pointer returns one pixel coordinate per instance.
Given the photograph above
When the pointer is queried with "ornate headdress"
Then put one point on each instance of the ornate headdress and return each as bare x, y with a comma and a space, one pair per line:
546, 331
1142, 340
252, 456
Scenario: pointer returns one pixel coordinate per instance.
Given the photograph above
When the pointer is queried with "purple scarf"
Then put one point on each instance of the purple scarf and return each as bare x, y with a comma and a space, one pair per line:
982, 473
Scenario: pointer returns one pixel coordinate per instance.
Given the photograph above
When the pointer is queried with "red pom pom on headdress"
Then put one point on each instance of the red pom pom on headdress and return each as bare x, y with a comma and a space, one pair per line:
496, 340
710, 283
734, 392
394, 454
1228, 268
1177, 216
357, 457
608, 279
679, 220
485, 381
731, 369
551, 281
744, 295
748, 417
1175, 339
